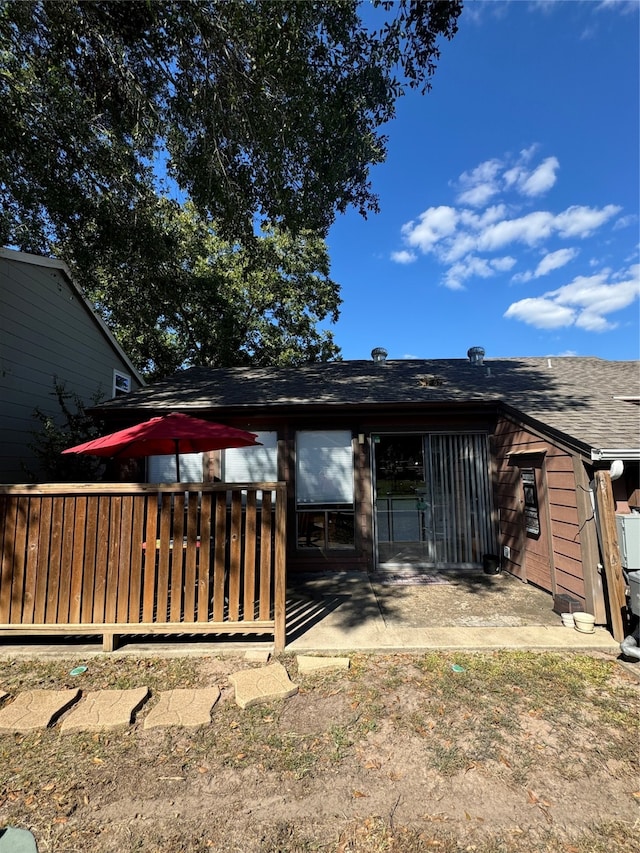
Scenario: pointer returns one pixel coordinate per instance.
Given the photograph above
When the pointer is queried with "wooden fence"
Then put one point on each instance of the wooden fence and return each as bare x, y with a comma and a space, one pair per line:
115, 559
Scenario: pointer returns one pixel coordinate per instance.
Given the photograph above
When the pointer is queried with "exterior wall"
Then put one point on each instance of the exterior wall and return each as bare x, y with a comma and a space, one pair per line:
361, 557
46, 331
516, 447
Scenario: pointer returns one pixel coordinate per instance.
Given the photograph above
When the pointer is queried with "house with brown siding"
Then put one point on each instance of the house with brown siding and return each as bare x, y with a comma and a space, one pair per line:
422, 465
49, 333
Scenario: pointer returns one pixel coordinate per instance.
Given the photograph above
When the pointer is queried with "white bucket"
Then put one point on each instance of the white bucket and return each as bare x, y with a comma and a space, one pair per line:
584, 622
568, 620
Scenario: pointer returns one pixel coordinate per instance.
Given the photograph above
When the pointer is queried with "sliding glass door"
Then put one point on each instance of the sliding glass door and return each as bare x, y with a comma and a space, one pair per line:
432, 500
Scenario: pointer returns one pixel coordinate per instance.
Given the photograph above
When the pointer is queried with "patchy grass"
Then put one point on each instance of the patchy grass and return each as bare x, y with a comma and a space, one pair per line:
400, 753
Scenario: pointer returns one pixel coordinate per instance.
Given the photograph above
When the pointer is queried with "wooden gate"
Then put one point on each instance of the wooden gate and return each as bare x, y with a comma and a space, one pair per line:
116, 559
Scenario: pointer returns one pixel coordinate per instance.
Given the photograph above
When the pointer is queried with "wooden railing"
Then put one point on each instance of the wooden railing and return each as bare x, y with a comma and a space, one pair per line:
115, 559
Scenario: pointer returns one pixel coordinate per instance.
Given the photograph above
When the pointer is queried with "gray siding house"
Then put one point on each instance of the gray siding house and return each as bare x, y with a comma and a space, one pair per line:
48, 331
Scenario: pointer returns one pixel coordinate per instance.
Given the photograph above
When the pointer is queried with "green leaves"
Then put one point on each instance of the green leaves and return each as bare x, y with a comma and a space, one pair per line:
264, 113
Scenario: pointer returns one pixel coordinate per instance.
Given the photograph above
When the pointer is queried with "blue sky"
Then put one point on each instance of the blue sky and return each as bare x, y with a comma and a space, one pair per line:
510, 195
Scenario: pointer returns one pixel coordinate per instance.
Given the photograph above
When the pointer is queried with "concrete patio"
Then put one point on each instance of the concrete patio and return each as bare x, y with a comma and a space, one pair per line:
351, 611
356, 612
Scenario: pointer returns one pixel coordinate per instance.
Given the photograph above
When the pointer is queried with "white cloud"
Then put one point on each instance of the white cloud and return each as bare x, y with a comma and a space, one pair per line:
626, 7
470, 266
551, 261
585, 302
529, 229
554, 261
433, 225
625, 221
404, 257
541, 179
503, 264
581, 221
477, 237
540, 312
532, 182
479, 267
478, 186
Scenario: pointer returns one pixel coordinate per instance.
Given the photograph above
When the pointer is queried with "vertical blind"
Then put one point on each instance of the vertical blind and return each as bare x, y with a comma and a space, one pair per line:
458, 483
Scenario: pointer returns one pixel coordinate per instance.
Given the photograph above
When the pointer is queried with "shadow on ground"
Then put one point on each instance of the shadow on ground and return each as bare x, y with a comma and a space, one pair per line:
472, 599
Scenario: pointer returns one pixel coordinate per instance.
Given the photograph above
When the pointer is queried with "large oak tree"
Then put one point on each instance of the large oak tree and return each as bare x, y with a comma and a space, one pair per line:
261, 112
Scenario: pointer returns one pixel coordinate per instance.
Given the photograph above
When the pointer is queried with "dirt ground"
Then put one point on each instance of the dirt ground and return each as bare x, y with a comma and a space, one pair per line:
493, 753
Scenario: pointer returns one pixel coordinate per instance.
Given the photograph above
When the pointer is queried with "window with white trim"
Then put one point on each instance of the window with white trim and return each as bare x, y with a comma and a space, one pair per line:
121, 384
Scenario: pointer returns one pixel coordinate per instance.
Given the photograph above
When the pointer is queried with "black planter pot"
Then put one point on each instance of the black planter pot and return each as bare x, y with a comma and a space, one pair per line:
491, 564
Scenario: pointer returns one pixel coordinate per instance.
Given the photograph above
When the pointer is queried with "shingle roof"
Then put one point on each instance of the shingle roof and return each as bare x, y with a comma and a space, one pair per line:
576, 397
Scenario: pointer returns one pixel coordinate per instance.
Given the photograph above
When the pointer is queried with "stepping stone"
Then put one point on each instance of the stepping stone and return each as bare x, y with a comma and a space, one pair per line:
14, 840
103, 710
257, 655
36, 709
308, 663
183, 708
262, 685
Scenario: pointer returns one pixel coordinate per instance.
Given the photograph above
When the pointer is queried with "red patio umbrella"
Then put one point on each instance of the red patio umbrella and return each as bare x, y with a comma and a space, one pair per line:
175, 433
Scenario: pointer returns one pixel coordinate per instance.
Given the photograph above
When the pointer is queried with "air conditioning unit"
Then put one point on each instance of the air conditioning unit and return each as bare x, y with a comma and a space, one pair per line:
629, 540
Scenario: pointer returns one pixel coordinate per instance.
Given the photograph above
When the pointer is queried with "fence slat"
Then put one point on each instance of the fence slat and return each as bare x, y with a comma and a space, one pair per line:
89, 558
17, 588
113, 560
7, 566
66, 558
265, 557
204, 563
137, 538
192, 546
33, 533
102, 557
220, 558
124, 562
177, 559
55, 552
150, 559
42, 569
248, 604
79, 548
235, 550
164, 550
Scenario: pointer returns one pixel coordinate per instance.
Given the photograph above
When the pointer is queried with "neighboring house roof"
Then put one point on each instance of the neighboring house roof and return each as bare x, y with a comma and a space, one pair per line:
586, 401
53, 263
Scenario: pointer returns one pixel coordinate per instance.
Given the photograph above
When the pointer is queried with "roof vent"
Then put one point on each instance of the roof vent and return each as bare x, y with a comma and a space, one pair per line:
379, 355
476, 355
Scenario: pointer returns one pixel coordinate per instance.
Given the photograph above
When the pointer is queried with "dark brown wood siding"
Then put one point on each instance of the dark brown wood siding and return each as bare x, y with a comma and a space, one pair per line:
516, 447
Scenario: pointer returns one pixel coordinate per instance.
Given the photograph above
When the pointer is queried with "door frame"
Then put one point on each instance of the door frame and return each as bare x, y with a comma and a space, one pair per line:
490, 532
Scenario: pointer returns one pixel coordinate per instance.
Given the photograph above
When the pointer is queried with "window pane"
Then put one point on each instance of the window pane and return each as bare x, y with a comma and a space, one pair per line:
326, 529
252, 464
324, 467
340, 530
162, 469
311, 529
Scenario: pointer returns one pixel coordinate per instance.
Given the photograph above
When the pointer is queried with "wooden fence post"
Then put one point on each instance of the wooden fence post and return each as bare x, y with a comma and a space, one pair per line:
280, 573
611, 554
